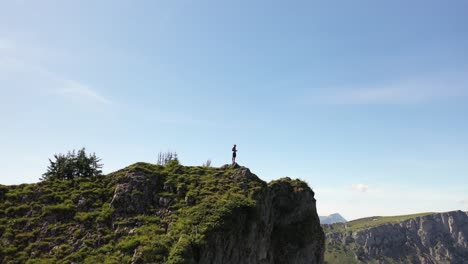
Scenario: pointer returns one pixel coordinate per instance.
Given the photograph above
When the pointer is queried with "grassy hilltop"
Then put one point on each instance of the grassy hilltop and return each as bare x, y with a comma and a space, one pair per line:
73, 221
161, 215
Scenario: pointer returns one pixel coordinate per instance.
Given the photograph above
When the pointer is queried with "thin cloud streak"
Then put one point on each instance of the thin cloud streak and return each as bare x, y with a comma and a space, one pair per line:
419, 90
14, 65
74, 88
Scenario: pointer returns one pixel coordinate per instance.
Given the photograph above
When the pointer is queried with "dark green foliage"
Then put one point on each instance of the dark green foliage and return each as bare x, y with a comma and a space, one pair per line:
60, 212
73, 165
3, 191
127, 246
16, 211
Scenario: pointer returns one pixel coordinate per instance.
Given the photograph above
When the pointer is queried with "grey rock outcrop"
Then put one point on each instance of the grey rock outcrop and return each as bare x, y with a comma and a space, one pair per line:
135, 193
283, 228
435, 238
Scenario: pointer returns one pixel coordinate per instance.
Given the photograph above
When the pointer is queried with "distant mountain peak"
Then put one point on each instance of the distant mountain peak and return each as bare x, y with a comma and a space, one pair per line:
331, 219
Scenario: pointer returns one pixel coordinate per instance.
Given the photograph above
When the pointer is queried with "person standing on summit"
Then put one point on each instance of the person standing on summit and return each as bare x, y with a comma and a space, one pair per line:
234, 150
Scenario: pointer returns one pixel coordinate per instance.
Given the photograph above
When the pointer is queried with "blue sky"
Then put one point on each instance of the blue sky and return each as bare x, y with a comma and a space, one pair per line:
365, 100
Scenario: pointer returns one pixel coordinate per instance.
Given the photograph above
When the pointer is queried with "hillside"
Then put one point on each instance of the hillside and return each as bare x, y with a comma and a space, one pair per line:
148, 213
418, 238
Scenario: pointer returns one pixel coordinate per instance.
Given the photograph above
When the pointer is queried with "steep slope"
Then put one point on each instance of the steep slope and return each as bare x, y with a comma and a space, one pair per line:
331, 219
161, 214
423, 238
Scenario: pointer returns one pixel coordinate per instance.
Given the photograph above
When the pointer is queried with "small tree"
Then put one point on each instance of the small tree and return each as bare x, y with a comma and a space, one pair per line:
165, 157
87, 166
72, 165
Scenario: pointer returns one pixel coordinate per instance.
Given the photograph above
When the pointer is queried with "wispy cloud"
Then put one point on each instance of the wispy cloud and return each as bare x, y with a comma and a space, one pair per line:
16, 68
360, 187
464, 201
75, 88
72, 88
412, 91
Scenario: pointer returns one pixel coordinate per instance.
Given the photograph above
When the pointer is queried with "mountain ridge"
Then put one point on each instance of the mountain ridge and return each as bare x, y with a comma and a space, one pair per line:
421, 238
148, 213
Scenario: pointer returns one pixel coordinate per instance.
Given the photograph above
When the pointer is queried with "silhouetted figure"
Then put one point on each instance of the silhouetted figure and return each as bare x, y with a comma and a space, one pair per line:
234, 150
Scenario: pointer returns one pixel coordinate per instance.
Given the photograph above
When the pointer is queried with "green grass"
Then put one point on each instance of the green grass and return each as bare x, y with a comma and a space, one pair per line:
368, 222
44, 223
339, 255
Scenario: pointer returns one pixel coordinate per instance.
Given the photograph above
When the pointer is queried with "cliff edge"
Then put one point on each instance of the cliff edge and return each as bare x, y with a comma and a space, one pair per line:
148, 213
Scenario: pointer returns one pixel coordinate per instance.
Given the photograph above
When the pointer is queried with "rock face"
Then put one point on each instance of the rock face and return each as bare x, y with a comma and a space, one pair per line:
135, 192
283, 228
435, 238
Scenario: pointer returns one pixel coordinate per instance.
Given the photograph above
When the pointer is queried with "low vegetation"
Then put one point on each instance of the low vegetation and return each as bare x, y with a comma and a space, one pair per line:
71, 219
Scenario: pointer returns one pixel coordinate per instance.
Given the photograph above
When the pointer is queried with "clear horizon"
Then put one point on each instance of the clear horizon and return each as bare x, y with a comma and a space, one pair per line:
364, 101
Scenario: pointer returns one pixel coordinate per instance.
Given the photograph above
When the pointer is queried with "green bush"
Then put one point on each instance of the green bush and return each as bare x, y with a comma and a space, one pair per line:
85, 217
3, 191
64, 211
44, 260
128, 245
17, 211
73, 165
105, 216
155, 252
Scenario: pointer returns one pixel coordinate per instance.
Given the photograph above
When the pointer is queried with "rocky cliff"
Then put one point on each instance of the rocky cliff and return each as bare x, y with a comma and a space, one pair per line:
161, 214
282, 229
431, 238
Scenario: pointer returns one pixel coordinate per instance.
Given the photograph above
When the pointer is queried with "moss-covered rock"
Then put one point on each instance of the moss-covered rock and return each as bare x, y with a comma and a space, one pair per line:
149, 213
